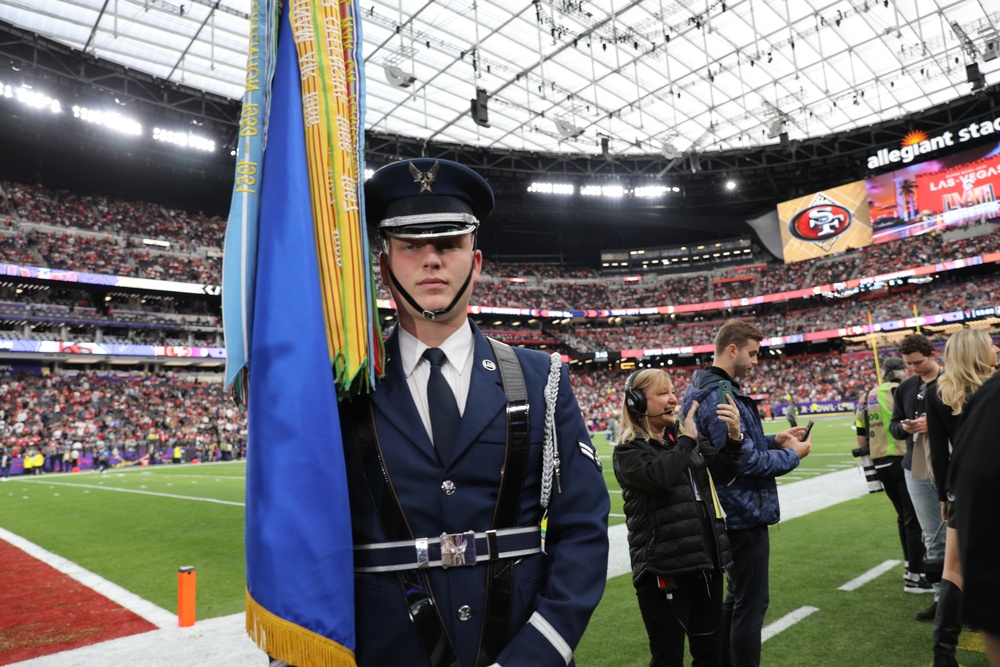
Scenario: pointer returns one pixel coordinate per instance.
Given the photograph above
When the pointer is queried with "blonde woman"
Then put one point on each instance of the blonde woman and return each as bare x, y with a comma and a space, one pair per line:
676, 532
969, 359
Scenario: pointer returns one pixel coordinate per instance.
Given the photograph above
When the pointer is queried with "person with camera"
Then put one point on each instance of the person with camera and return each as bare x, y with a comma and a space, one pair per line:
751, 500
970, 358
676, 531
909, 422
887, 452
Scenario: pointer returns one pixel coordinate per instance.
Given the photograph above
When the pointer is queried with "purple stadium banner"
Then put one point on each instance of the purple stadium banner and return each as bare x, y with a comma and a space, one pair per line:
815, 407
110, 349
63, 275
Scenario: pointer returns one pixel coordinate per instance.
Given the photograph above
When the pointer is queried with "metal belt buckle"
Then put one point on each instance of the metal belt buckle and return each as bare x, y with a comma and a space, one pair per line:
458, 549
423, 558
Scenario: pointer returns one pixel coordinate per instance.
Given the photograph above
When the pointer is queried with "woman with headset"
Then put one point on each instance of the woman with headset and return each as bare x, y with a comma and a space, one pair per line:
676, 531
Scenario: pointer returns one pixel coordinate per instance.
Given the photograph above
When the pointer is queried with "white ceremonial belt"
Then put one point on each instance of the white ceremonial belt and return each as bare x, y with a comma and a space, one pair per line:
448, 550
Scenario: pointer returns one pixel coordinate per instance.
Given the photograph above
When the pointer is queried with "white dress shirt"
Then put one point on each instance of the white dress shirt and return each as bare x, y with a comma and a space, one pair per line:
458, 349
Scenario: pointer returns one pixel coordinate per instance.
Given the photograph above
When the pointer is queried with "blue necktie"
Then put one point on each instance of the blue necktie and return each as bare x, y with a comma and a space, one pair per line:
442, 406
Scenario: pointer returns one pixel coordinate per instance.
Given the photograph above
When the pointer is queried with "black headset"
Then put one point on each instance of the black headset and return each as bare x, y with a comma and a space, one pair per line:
635, 400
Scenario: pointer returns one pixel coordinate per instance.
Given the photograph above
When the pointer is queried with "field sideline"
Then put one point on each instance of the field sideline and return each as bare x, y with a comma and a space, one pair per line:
134, 527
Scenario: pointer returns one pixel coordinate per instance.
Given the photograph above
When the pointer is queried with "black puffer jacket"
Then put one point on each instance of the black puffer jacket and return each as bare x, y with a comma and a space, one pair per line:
670, 532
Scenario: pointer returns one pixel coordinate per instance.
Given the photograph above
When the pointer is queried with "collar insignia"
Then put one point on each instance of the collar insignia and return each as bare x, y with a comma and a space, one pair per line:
425, 178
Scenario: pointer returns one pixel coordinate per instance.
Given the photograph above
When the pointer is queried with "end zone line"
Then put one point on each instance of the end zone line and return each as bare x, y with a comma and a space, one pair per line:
143, 608
873, 573
785, 622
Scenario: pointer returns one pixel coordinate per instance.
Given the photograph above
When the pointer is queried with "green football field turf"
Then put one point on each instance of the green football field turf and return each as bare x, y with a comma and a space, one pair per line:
136, 526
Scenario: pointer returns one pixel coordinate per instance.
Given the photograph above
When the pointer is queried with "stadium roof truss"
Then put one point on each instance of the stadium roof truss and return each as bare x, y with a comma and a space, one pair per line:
611, 77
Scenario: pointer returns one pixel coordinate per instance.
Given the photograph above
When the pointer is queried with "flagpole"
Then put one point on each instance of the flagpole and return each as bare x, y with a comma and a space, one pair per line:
871, 329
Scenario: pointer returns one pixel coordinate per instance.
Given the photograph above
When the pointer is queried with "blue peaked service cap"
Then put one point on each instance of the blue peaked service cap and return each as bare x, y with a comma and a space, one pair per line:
427, 198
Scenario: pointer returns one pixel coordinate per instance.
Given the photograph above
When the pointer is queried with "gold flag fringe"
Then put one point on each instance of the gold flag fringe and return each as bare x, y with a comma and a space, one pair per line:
292, 643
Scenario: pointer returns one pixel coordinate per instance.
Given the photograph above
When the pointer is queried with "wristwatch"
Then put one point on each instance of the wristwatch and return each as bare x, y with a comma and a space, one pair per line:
739, 439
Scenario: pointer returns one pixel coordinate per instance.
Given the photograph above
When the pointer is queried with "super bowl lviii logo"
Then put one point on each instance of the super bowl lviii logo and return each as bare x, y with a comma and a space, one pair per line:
820, 223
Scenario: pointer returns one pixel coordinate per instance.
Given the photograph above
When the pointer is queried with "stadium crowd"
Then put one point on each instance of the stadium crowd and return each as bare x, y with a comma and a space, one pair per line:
131, 416
45, 205
99, 234
125, 224
787, 319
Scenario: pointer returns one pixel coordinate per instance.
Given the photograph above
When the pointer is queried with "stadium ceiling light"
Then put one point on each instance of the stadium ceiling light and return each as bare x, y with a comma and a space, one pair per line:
730, 185
552, 188
650, 191
32, 99
184, 139
112, 120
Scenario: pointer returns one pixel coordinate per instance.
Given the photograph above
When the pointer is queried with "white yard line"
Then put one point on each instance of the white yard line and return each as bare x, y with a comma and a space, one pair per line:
785, 622
100, 487
871, 574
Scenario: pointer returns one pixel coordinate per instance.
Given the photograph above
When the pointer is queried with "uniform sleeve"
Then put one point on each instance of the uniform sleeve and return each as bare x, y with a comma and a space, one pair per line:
652, 469
576, 546
756, 459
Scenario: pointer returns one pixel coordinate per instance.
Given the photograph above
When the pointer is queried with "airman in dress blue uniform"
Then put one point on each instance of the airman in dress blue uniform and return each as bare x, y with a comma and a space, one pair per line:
483, 542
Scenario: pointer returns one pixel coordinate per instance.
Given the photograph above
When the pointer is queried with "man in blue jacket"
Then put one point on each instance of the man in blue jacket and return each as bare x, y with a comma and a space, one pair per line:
751, 500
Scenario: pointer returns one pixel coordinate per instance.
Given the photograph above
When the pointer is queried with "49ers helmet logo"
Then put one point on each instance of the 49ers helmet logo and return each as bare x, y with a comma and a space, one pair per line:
819, 223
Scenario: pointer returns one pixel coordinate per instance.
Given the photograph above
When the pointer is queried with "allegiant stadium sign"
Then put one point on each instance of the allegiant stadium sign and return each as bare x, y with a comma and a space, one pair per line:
916, 144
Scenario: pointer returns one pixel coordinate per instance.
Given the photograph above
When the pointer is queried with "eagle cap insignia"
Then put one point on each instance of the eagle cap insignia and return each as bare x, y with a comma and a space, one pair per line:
425, 178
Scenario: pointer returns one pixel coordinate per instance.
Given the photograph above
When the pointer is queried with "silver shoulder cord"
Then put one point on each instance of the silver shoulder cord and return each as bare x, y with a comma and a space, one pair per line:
550, 451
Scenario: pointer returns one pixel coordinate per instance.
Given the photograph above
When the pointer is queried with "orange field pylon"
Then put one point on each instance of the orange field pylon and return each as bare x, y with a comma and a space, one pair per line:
187, 577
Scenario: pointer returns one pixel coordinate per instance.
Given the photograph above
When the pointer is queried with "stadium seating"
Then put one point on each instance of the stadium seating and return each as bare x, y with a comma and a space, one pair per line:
44, 226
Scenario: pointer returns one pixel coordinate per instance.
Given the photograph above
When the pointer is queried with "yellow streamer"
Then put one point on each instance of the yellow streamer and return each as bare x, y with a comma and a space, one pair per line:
331, 120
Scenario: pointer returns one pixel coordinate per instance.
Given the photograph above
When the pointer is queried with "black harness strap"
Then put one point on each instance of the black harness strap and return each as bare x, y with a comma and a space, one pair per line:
414, 584
500, 574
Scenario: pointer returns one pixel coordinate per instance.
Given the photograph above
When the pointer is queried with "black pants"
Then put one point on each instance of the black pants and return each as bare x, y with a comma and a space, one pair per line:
910, 535
694, 611
745, 605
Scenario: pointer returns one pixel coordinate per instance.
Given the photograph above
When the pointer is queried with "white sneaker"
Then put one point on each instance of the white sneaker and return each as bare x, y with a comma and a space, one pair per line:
919, 585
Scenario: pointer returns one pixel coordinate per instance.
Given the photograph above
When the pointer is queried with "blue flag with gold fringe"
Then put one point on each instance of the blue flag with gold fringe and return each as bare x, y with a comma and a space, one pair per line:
300, 295
300, 584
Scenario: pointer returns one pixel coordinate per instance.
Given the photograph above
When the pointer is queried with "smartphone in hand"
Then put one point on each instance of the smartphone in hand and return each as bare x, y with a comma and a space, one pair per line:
809, 428
725, 389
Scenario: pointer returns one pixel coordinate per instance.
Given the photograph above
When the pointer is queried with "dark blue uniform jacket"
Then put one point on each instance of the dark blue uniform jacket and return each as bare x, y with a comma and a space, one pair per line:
554, 593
